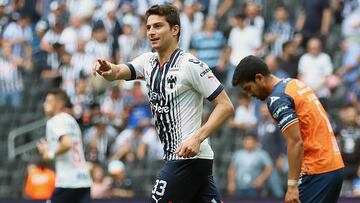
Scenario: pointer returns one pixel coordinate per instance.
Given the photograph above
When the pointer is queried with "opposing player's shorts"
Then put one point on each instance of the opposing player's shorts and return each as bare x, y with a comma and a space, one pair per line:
321, 188
70, 195
185, 181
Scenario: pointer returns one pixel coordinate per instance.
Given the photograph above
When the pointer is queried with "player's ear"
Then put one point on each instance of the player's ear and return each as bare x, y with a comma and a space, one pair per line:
259, 78
175, 30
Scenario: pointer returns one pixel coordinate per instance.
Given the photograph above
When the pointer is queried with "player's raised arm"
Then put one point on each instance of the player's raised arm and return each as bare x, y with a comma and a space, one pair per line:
111, 71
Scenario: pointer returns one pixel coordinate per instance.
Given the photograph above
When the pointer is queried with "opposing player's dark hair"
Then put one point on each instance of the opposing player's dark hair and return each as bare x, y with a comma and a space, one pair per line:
170, 12
60, 94
247, 69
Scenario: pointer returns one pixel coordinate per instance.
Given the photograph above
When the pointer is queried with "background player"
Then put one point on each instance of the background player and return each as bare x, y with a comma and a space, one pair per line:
312, 148
177, 84
64, 145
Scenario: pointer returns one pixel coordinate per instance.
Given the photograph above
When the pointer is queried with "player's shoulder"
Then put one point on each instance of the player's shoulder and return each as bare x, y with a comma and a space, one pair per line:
61, 118
190, 61
147, 56
279, 95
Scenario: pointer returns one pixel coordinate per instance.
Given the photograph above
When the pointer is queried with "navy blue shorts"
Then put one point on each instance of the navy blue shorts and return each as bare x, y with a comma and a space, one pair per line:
71, 195
321, 188
185, 181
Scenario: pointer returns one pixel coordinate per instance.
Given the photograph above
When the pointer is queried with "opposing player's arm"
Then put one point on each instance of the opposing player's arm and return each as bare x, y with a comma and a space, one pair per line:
295, 150
65, 143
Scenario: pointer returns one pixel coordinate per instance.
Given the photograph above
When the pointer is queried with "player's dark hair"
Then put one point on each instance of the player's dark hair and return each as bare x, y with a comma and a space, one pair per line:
247, 69
170, 12
61, 95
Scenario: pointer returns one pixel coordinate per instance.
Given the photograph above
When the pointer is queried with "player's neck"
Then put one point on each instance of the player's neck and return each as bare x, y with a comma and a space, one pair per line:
165, 54
273, 80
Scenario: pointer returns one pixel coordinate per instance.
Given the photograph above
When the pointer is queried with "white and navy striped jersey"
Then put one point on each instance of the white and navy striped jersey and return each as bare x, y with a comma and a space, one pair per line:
176, 91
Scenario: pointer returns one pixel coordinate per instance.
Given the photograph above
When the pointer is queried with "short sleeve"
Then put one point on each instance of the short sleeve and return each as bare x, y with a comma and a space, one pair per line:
61, 127
265, 158
202, 79
137, 65
282, 109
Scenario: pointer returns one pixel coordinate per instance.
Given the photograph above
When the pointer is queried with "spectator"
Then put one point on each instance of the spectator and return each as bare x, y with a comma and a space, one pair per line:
243, 41
208, 45
288, 61
18, 35
113, 107
69, 75
98, 139
349, 135
191, 22
111, 23
127, 42
273, 65
279, 31
314, 20
249, 169
121, 187
254, 19
11, 83
40, 182
101, 186
71, 34
270, 140
315, 67
4, 15
82, 98
245, 117
150, 147
127, 144
81, 60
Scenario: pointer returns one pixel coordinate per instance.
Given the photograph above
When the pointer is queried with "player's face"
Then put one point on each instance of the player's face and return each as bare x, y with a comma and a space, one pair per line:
159, 32
50, 105
255, 89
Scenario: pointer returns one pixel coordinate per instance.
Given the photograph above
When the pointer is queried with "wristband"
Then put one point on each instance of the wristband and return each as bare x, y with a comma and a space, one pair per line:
293, 183
51, 155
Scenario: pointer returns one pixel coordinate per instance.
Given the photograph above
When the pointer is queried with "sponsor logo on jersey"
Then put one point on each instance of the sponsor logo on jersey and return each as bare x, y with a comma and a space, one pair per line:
159, 109
272, 99
279, 110
204, 72
286, 118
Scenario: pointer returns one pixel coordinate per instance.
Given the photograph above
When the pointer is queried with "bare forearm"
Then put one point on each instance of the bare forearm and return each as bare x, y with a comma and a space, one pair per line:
266, 173
295, 156
121, 72
325, 21
220, 114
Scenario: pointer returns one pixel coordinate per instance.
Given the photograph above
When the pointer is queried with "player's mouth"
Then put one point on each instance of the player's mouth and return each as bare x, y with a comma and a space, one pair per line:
154, 40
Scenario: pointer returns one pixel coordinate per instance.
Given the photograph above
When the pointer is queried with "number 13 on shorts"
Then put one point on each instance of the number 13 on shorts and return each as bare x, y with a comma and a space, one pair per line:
159, 187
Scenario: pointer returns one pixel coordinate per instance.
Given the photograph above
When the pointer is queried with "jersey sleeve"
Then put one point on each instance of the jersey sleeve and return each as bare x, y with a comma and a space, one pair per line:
137, 66
202, 79
282, 109
61, 127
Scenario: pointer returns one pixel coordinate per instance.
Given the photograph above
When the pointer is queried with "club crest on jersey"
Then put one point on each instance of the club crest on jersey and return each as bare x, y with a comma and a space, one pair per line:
171, 81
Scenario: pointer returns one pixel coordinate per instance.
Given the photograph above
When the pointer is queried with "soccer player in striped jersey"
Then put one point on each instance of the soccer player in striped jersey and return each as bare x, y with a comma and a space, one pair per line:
63, 144
177, 83
313, 153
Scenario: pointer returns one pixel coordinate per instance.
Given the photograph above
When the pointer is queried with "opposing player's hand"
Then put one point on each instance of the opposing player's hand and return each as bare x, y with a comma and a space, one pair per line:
104, 69
292, 195
189, 148
42, 146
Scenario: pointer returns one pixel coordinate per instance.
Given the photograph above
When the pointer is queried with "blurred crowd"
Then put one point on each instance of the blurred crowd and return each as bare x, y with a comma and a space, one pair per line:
316, 41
